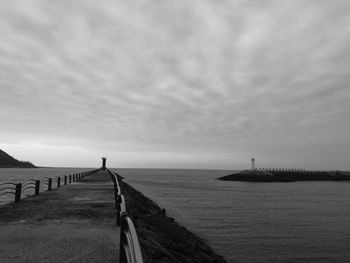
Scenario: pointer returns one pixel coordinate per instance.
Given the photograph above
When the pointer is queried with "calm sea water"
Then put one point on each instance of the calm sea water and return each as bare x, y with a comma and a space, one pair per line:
255, 222
244, 222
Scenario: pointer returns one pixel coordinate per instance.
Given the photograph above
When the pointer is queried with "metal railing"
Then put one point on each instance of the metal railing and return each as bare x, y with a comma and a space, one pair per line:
129, 250
9, 189
290, 170
33, 187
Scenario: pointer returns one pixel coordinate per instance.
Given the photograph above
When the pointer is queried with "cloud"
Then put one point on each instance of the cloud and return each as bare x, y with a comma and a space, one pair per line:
235, 78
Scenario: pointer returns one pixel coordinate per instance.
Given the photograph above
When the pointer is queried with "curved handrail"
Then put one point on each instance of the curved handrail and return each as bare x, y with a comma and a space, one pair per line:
29, 180
8, 183
45, 178
8, 188
114, 177
122, 205
23, 187
130, 251
30, 187
125, 252
8, 193
28, 183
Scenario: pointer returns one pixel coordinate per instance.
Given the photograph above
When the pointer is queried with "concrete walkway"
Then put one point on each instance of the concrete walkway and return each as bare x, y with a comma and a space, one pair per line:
75, 223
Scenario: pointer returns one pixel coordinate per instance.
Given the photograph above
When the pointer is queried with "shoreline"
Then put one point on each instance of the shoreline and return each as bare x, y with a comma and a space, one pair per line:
161, 238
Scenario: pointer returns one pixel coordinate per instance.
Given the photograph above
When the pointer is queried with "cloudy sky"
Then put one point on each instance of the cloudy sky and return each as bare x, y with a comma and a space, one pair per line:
164, 83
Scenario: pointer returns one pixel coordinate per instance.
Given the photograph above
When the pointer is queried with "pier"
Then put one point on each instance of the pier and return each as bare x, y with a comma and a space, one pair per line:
83, 220
285, 175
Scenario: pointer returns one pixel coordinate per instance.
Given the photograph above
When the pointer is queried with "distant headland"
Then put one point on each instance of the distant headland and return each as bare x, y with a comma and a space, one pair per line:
286, 175
7, 161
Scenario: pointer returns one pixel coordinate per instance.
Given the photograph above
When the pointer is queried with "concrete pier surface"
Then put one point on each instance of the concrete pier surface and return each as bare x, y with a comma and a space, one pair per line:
74, 223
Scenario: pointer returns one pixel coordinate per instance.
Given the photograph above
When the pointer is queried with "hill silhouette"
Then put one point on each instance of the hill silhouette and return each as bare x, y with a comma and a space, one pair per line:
7, 161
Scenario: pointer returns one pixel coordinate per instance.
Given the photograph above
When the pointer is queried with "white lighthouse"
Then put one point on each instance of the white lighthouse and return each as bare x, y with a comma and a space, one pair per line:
253, 164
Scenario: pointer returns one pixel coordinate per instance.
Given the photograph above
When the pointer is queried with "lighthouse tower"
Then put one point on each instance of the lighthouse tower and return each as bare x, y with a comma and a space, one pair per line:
103, 163
253, 164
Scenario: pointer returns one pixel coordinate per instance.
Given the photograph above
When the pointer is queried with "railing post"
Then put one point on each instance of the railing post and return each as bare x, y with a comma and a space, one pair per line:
65, 180
58, 182
74, 177
18, 192
70, 178
37, 187
118, 210
123, 241
49, 186
116, 194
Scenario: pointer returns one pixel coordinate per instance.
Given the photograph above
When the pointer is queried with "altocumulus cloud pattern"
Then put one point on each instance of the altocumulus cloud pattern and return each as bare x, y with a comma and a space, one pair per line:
176, 83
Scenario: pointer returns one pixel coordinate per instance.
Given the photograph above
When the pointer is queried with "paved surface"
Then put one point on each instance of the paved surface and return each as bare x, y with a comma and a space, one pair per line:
75, 223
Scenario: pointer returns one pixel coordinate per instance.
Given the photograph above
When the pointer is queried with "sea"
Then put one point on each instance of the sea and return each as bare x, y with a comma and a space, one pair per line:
245, 221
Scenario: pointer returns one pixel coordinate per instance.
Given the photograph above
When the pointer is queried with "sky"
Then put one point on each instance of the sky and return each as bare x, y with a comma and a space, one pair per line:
203, 84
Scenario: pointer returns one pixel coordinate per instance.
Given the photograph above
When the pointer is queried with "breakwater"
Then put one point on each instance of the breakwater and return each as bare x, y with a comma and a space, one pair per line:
161, 238
286, 175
